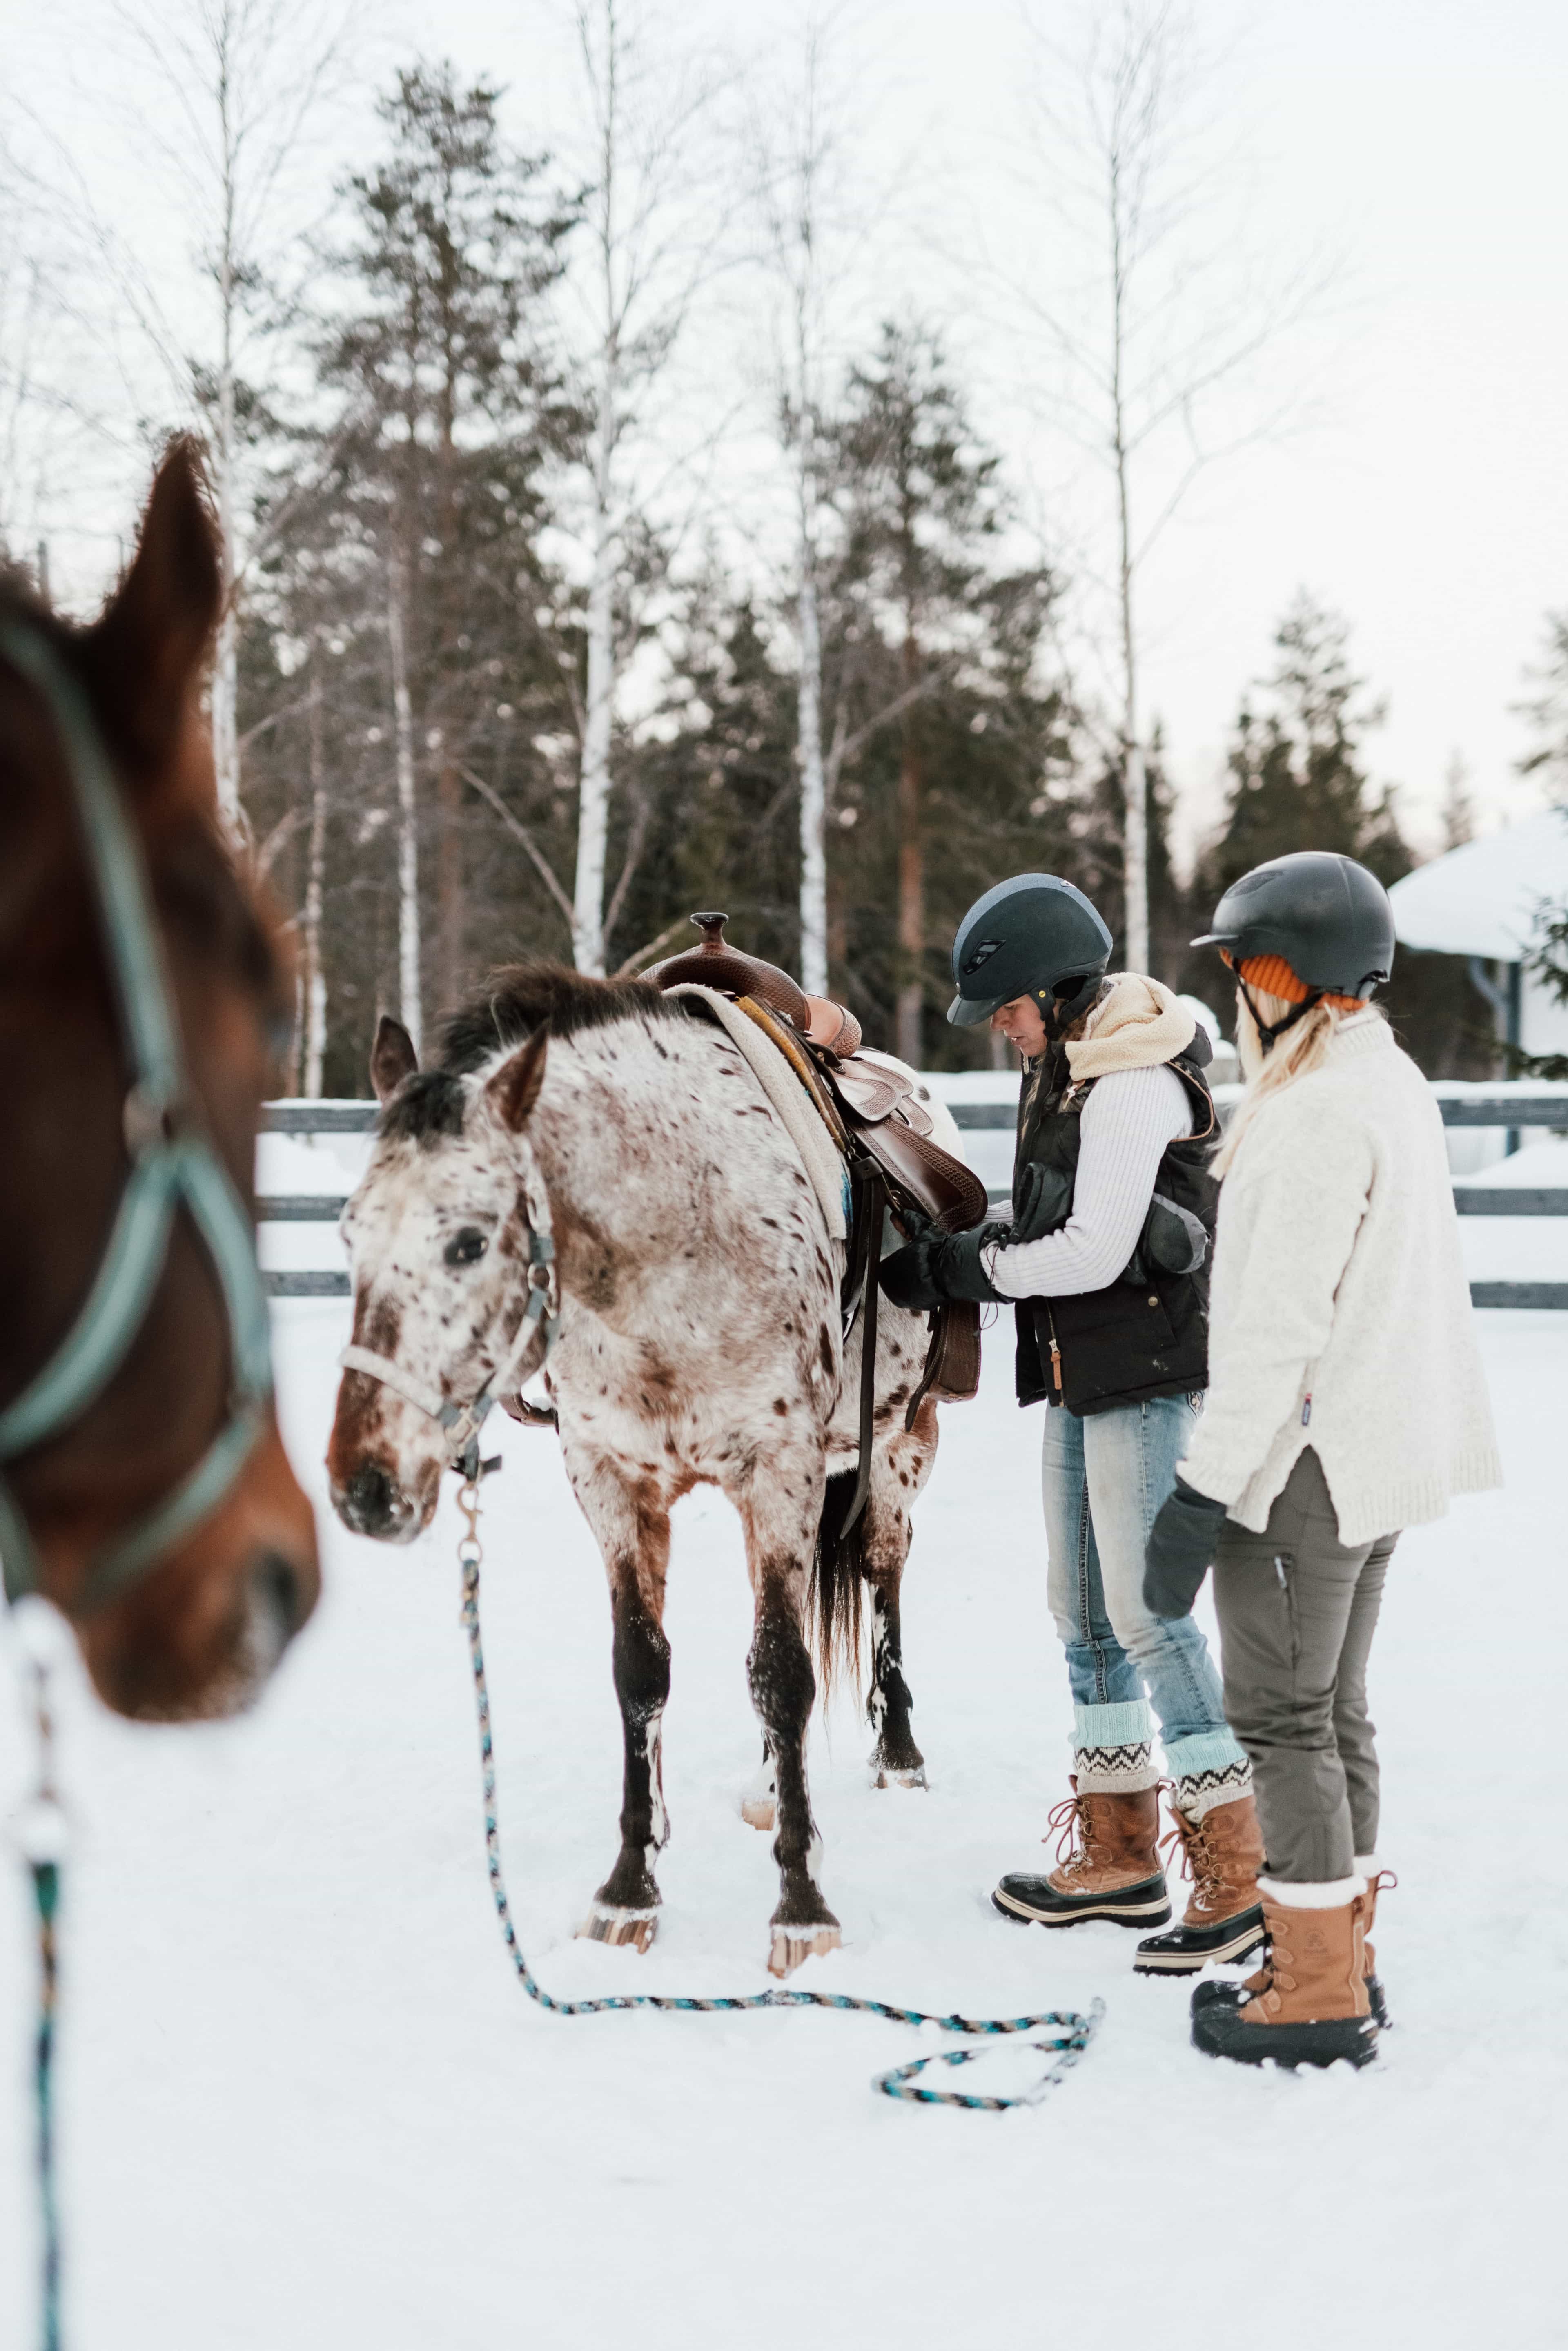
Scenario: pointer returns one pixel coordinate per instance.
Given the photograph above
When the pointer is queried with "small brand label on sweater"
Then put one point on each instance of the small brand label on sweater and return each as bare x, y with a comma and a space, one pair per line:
1306, 1412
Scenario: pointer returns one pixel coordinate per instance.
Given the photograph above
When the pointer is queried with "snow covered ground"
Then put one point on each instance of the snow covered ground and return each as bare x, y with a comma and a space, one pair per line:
305, 2102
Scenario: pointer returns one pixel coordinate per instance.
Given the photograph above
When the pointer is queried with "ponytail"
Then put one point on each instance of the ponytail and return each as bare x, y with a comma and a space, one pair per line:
1297, 1050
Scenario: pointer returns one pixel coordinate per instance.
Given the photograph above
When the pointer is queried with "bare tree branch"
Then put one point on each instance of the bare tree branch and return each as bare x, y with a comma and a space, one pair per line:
524, 839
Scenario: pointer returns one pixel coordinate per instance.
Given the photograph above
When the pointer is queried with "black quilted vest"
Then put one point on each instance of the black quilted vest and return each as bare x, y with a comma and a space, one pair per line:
1138, 1338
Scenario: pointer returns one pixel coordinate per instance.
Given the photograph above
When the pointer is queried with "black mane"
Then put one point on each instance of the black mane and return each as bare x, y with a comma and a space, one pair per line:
503, 1012
512, 1002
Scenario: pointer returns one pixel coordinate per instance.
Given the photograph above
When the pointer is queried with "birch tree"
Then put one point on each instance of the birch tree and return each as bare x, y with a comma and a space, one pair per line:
1150, 318
792, 196
235, 90
54, 432
646, 249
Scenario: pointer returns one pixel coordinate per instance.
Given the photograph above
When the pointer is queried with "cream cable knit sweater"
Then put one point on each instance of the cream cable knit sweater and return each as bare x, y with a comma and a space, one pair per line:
1340, 1316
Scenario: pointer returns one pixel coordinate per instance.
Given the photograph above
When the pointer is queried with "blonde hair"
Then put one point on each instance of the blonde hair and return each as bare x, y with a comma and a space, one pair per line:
1301, 1048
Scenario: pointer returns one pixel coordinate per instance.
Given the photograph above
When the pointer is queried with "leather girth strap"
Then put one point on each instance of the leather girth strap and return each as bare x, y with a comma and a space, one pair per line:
862, 1292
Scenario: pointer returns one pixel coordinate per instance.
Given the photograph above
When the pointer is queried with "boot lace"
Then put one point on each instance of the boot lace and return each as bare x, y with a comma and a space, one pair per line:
1069, 1819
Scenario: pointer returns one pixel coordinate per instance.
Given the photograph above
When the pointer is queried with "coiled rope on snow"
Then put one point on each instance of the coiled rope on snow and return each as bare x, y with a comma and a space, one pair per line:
1065, 2034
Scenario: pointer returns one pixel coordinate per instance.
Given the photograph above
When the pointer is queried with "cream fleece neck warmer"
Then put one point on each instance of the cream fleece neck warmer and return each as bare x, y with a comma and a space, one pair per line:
1137, 1024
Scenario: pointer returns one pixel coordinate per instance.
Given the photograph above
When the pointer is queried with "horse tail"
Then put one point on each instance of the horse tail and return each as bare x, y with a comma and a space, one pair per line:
837, 1581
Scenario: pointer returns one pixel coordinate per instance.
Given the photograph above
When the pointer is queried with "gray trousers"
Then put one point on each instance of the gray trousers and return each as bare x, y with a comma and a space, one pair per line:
1297, 1612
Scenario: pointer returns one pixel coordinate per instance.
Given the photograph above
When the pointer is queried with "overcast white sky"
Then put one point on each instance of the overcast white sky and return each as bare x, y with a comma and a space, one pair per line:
1423, 488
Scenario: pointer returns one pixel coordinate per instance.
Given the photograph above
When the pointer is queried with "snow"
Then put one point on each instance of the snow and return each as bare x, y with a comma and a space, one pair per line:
305, 2102
1482, 898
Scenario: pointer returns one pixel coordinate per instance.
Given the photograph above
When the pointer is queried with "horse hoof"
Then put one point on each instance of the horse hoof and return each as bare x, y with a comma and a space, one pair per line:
759, 1812
606, 1926
886, 1777
793, 1945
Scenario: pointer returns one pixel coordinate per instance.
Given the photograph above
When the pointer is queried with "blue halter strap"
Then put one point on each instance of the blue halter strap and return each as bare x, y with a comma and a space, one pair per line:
174, 1166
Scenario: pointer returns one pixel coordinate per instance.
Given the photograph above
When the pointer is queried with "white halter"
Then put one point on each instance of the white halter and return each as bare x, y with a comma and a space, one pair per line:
462, 1423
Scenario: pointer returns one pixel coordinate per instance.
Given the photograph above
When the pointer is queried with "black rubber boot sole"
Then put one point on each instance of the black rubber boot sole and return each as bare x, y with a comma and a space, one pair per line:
1219, 2028
1188, 1950
1034, 1901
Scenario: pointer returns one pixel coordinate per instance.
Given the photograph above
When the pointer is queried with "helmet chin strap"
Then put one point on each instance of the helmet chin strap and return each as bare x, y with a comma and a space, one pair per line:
1268, 1030
1057, 1013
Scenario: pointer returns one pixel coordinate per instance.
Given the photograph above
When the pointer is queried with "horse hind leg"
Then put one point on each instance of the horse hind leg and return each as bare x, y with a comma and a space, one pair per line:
897, 1477
626, 1906
896, 1760
760, 1799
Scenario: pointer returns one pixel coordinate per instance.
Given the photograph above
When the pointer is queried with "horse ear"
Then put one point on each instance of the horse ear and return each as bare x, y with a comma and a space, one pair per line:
392, 1057
147, 650
515, 1088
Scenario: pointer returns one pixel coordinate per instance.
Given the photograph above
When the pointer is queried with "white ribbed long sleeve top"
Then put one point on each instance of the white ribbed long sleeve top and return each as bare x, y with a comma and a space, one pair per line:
1126, 1123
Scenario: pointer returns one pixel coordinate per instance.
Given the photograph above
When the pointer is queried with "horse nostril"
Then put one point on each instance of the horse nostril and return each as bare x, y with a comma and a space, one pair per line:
277, 1587
370, 1500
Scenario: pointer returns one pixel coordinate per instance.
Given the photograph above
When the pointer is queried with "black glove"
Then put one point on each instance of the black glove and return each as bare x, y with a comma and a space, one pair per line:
938, 1266
1045, 1201
1181, 1544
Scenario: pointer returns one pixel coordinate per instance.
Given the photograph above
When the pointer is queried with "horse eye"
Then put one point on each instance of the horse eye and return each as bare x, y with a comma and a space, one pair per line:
467, 1247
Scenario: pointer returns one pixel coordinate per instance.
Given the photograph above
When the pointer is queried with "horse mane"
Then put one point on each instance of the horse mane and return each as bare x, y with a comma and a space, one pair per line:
503, 1012
511, 1003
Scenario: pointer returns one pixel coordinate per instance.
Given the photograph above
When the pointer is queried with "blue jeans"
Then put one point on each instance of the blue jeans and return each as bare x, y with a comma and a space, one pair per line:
1105, 1478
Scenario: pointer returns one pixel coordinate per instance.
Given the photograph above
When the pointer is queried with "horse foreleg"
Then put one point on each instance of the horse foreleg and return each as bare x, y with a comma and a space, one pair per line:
625, 1908
898, 1473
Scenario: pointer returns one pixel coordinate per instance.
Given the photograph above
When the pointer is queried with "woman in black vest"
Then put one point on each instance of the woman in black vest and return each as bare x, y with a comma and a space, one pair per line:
1106, 1260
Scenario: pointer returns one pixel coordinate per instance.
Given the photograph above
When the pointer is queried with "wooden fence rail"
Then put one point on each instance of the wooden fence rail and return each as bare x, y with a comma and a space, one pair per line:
1508, 1111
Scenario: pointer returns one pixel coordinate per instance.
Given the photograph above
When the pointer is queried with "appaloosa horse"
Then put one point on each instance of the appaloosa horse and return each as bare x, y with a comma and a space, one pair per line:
700, 1340
142, 1484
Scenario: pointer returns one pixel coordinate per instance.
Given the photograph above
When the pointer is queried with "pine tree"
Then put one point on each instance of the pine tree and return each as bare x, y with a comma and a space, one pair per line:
1297, 771
1299, 780
448, 419
919, 580
1547, 711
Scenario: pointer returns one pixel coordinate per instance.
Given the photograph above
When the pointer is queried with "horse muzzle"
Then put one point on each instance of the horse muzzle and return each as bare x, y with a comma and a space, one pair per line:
371, 1501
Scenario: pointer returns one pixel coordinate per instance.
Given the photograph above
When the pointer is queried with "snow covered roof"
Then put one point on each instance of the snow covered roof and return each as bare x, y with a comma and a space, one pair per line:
1481, 900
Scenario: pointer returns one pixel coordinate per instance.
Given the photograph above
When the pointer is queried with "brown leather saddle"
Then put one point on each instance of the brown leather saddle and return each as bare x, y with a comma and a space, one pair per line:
884, 1132
876, 1105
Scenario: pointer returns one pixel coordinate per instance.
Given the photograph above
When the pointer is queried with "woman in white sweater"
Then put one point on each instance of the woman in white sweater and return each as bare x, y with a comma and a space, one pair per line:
1347, 1401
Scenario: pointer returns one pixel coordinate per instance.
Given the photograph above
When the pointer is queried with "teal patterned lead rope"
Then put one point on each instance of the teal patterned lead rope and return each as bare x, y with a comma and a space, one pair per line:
1069, 2036
38, 1831
46, 1878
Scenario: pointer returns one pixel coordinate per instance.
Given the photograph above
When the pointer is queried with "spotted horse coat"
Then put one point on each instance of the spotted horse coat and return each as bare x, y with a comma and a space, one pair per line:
700, 1342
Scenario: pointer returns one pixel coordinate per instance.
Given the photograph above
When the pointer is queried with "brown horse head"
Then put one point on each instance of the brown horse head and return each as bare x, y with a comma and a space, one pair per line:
200, 1630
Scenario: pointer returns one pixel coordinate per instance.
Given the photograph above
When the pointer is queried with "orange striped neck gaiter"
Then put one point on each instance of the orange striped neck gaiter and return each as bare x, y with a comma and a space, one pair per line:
1273, 975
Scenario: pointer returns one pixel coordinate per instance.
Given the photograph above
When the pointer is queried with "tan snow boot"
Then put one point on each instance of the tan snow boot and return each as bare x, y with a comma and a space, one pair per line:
1109, 1868
1314, 2007
1222, 1852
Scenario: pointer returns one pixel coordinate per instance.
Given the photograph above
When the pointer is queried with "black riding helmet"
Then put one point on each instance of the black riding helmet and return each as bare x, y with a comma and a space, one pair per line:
1034, 935
1327, 916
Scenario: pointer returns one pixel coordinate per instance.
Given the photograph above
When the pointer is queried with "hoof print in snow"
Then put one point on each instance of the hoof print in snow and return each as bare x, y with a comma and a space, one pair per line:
637, 1927
793, 1945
